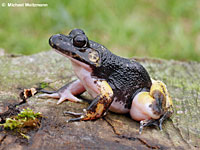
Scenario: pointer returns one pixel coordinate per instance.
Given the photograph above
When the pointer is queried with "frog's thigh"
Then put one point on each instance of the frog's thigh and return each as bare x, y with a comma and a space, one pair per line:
101, 103
142, 107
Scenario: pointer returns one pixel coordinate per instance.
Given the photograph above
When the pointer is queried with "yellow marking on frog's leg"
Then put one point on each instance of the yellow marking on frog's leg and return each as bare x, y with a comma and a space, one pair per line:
160, 93
99, 105
105, 88
96, 113
144, 98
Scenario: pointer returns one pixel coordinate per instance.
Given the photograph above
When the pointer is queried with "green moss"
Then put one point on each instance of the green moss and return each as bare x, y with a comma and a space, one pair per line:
25, 118
27, 114
12, 123
44, 85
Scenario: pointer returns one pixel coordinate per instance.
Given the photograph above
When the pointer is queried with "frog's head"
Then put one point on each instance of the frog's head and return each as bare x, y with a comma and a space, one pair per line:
76, 46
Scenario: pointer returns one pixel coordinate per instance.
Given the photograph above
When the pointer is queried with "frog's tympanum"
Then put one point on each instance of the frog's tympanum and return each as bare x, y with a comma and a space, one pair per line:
117, 84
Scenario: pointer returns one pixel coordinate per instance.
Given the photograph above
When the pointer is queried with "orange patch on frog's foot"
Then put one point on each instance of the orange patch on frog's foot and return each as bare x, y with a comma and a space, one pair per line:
89, 115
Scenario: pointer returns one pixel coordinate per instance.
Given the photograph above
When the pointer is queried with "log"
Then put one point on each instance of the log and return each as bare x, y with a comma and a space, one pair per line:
181, 131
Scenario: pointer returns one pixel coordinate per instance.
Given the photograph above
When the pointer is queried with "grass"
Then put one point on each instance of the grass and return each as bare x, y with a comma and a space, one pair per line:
156, 28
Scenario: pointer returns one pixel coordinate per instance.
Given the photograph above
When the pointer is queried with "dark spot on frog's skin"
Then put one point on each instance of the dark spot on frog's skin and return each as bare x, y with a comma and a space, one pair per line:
150, 105
104, 100
163, 89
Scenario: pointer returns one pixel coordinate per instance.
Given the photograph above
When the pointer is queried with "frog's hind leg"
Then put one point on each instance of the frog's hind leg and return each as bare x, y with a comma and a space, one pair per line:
152, 108
142, 110
66, 92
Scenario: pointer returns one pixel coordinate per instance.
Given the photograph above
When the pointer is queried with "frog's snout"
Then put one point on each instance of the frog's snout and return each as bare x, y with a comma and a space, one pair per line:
56, 40
52, 40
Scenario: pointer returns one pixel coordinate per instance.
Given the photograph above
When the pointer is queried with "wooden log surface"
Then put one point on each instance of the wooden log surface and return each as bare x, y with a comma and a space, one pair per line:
181, 131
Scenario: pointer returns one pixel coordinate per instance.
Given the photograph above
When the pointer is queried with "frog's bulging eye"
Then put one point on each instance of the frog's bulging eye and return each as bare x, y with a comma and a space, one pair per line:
80, 40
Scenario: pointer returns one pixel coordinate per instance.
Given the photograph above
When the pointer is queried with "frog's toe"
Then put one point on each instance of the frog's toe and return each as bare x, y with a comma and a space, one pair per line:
72, 113
79, 116
82, 116
164, 117
146, 123
68, 97
155, 122
46, 95
75, 119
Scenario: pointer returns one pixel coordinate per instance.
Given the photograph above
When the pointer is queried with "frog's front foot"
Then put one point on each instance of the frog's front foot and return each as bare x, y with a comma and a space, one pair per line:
81, 116
66, 92
152, 108
99, 105
96, 110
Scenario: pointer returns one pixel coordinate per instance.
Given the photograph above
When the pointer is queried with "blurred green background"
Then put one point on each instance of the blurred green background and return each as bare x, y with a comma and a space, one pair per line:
167, 29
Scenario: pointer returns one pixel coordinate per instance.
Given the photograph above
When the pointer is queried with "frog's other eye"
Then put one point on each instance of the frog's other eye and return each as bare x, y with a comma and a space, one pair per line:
80, 40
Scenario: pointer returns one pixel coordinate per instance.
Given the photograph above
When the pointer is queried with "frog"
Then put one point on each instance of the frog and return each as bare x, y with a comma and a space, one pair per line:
116, 84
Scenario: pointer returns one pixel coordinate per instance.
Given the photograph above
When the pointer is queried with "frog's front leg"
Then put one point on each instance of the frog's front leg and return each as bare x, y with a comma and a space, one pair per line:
99, 105
66, 92
152, 108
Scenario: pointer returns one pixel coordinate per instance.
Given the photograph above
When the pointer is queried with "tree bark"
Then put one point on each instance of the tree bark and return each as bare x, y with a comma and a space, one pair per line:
181, 131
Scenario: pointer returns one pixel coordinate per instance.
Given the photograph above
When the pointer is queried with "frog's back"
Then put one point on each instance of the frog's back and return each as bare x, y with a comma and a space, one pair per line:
125, 77
129, 78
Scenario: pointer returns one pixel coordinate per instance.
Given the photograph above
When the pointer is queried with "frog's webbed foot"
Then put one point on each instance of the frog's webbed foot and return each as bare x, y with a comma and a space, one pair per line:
145, 123
99, 105
66, 92
154, 122
166, 115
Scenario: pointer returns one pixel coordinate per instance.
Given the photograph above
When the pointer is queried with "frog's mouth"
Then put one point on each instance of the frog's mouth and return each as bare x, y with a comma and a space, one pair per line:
77, 62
